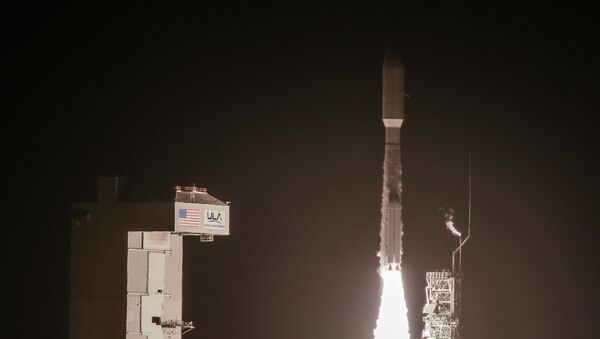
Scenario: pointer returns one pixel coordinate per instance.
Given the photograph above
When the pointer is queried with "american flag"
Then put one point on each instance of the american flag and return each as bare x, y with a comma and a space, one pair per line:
189, 217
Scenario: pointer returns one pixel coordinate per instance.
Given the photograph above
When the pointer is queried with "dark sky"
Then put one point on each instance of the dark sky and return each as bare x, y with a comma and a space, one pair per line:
278, 111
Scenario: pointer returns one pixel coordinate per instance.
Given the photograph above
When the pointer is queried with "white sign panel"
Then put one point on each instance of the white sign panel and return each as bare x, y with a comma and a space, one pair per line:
201, 218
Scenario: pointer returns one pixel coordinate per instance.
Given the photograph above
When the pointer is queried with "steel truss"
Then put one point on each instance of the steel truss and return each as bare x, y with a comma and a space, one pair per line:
442, 309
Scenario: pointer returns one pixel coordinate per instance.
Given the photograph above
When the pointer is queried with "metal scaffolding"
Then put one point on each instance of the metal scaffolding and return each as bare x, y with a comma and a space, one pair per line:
442, 307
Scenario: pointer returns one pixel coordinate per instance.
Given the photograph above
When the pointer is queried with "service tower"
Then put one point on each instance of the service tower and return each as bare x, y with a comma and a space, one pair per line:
442, 310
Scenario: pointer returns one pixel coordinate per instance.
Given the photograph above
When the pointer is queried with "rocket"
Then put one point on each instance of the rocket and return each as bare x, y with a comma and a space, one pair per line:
392, 115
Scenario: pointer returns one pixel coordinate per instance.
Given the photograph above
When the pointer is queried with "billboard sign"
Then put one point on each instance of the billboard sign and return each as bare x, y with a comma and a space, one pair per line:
201, 218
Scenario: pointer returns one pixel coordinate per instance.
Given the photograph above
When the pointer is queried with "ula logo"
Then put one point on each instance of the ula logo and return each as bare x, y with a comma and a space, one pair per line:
214, 217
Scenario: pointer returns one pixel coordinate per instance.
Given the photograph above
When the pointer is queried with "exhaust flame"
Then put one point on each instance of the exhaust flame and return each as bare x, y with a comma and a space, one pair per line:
392, 322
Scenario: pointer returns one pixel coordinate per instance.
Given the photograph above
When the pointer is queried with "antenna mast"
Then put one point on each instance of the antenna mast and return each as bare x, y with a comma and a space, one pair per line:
461, 242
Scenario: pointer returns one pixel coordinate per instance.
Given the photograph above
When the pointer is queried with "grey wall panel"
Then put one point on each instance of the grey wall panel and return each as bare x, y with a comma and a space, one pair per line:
156, 272
134, 307
137, 271
134, 240
151, 307
174, 266
157, 241
172, 309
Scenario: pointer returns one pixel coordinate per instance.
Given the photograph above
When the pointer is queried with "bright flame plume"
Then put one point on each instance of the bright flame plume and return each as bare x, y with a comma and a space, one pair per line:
392, 322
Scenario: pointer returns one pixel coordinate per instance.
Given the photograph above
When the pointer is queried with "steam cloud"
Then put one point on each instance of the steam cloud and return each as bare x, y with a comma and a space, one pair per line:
449, 220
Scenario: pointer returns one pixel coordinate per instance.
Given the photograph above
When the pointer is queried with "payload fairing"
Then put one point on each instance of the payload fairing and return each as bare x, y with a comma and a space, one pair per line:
392, 115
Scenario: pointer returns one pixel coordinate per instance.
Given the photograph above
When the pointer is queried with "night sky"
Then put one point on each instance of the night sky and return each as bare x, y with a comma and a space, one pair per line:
279, 111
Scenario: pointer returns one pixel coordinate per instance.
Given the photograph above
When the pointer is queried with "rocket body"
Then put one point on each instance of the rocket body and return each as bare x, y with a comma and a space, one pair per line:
392, 115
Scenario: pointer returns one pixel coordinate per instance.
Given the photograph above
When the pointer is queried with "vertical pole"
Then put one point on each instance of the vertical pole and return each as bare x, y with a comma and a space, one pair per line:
460, 253
468, 221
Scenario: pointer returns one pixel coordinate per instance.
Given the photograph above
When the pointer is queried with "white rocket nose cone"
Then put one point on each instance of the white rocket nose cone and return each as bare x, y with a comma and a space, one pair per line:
393, 88
392, 59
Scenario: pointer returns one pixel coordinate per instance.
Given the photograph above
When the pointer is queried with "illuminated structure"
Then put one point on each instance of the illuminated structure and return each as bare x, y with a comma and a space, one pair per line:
441, 313
108, 281
154, 293
441, 310
154, 265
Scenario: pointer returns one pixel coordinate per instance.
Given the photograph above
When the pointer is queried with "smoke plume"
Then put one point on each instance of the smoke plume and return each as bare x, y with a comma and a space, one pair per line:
449, 220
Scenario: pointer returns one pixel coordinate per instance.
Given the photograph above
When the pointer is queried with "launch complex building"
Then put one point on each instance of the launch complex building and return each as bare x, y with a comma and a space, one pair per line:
126, 261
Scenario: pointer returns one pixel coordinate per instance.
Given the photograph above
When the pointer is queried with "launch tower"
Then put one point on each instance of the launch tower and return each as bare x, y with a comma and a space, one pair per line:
441, 313
442, 306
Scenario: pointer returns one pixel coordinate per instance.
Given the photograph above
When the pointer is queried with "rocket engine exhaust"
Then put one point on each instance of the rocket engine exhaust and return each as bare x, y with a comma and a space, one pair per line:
392, 322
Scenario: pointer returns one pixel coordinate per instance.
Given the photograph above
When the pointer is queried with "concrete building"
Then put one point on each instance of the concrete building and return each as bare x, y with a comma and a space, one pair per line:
154, 286
100, 240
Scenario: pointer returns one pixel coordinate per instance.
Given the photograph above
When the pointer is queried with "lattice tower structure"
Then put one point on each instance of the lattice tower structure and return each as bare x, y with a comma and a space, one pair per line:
442, 309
